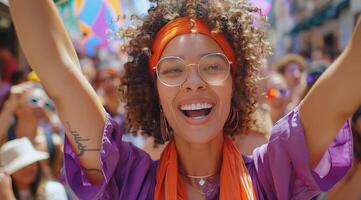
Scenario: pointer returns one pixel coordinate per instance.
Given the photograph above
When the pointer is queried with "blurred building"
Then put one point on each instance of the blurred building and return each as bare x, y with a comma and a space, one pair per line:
304, 26
324, 25
282, 22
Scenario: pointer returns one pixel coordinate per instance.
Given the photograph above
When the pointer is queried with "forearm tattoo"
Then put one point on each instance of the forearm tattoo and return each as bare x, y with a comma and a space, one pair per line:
79, 140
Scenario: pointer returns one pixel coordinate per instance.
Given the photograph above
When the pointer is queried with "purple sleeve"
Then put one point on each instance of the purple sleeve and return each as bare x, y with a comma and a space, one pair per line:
129, 173
280, 169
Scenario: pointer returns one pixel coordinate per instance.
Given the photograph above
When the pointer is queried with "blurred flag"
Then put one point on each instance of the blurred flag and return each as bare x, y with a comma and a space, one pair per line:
95, 17
65, 8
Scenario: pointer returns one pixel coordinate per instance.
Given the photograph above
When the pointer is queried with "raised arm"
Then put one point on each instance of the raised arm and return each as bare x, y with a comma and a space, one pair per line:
50, 52
333, 99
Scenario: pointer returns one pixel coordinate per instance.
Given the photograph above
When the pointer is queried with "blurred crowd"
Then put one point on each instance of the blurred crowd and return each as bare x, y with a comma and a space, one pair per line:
32, 135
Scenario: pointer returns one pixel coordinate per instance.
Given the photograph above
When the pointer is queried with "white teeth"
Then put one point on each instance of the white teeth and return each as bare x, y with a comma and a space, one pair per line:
196, 106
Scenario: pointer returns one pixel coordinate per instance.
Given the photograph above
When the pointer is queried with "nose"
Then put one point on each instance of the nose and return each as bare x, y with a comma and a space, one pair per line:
193, 82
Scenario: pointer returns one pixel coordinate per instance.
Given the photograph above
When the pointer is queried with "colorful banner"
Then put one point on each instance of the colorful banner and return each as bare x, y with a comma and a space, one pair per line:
95, 18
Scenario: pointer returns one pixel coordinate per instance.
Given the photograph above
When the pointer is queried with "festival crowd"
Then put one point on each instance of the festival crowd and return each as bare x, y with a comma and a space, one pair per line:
32, 134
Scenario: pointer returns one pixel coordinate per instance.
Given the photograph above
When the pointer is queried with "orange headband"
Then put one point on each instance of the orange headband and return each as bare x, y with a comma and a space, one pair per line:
182, 26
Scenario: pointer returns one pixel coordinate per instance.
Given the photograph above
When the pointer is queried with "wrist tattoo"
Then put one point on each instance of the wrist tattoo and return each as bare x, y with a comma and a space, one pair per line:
79, 140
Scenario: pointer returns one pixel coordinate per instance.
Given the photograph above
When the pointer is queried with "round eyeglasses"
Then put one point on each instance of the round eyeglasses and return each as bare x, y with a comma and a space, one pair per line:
213, 68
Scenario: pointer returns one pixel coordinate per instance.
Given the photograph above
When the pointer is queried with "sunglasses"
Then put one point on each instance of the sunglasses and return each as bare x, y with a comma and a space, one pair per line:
35, 101
277, 93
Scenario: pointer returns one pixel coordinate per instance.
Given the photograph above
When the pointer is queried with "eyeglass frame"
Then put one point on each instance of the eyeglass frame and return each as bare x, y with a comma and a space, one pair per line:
192, 64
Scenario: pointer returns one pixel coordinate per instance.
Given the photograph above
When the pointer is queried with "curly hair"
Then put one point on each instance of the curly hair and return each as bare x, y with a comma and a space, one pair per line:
241, 24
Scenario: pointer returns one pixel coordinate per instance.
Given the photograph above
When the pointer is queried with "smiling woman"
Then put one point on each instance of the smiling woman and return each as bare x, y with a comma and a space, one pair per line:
191, 82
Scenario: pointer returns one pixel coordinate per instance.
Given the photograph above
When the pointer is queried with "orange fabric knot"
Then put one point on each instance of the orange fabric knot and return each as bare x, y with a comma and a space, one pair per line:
235, 181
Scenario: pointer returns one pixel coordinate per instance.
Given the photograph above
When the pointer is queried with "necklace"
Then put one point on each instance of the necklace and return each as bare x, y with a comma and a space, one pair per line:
201, 179
206, 185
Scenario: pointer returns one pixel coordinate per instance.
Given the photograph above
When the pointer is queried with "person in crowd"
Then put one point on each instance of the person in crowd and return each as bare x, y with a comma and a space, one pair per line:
28, 112
278, 96
88, 67
8, 64
152, 148
190, 81
107, 84
260, 130
21, 175
312, 75
318, 55
4, 89
292, 67
18, 77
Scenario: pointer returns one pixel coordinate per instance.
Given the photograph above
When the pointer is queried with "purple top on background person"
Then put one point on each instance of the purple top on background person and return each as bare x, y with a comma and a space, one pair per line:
4, 90
279, 169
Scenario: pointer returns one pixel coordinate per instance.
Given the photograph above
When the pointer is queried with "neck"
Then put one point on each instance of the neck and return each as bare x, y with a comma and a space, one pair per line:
26, 128
200, 159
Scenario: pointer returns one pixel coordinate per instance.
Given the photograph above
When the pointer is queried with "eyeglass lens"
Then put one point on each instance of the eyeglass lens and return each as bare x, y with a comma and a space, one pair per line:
212, 68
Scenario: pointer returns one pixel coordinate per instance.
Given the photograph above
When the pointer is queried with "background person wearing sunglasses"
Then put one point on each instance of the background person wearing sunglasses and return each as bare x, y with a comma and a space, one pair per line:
292, 67
28, 112
278, 96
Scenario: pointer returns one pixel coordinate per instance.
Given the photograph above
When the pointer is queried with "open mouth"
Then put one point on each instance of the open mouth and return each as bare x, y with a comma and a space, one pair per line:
196, 110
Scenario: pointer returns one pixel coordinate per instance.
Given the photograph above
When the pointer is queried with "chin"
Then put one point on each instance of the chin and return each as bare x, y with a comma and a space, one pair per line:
199, 135
198, 119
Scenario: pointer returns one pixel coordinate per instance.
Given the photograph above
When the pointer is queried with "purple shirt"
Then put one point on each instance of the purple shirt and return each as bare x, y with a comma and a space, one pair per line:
279, 169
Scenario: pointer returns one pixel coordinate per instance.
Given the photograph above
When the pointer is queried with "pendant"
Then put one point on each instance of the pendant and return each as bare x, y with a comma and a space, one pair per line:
201, 182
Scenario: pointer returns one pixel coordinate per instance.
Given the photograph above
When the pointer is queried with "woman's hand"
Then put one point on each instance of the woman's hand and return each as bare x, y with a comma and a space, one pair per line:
6, 189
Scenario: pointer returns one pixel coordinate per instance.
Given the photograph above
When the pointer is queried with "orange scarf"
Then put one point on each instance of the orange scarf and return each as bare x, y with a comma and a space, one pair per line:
235, 182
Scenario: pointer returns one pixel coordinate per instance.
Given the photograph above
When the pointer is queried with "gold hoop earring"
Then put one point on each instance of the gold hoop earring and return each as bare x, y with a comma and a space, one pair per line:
165, 130
233, 120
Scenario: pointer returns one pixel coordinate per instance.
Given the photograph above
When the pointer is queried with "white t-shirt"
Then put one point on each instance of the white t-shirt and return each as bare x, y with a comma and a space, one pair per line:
53, 191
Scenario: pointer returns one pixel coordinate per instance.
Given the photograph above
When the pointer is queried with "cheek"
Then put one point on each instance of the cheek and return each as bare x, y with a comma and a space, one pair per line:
25, 175
166, 96
17, 176
224, 94
288, 76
